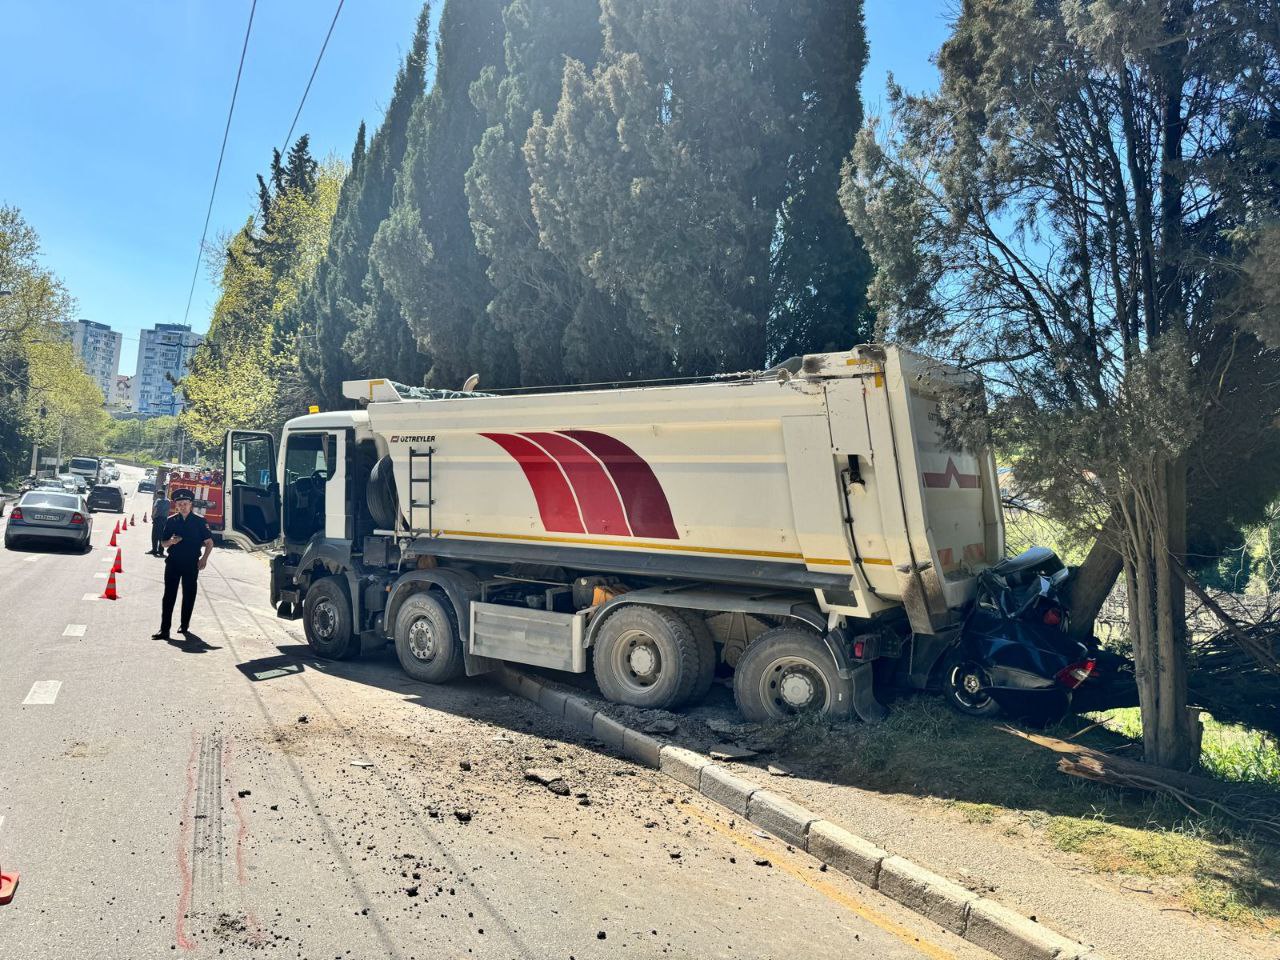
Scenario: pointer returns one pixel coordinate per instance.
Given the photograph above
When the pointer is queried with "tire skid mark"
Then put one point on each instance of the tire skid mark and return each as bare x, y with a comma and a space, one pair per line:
255, 932
424, 829
185, 833
390, 949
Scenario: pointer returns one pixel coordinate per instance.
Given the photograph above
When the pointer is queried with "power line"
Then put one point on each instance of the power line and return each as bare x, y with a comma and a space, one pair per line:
218, 173
324, 46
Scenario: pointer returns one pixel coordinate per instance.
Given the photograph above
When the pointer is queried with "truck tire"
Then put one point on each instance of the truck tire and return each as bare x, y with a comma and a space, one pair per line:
788, 671
380, 494
427, 640
326, 619
646, 657
706, 653
734, 632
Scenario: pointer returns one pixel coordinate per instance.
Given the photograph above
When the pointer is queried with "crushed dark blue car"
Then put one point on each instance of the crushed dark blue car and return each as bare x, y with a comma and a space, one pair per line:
1016, 655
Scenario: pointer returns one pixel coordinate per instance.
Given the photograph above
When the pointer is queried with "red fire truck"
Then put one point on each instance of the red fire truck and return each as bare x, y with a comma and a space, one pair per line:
205, 484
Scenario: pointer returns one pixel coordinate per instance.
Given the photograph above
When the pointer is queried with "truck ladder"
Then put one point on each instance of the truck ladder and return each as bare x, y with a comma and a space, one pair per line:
415, 481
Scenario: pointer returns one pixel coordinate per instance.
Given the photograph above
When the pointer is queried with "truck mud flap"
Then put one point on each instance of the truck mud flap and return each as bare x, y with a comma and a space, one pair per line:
862, 687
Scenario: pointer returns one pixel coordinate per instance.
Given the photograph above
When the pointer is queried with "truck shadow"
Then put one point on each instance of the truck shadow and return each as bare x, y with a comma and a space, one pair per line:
979, 777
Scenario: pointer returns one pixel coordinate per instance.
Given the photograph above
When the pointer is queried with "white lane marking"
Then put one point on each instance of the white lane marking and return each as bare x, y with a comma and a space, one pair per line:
100, 576
74, 630
43, 692
91, 596
1, 823
31, 559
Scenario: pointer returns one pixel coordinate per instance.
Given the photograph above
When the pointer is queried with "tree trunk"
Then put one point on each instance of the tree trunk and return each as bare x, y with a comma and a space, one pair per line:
1092, 583
1154, 524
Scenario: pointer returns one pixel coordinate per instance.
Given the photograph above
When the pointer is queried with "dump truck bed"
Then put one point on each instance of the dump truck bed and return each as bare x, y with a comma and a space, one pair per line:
834, 477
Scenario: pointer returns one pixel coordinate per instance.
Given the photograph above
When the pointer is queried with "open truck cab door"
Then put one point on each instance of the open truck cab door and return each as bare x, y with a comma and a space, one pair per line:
251, 505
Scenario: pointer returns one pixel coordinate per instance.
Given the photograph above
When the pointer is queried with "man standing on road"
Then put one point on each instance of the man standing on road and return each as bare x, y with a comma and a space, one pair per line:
159, 514
184, 535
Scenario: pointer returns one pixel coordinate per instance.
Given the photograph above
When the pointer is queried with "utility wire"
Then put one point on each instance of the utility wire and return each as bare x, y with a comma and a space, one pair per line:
324, 46
218, 173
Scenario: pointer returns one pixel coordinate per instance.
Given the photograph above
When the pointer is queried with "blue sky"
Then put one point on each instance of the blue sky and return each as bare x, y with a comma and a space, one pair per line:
113, 115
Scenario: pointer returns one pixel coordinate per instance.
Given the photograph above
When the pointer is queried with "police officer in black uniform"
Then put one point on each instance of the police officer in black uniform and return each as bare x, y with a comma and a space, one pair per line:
184, 535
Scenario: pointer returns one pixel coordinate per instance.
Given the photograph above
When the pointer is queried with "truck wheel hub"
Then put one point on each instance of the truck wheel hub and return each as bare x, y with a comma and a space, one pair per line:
643, 661
422, 640
325, 620
797, 690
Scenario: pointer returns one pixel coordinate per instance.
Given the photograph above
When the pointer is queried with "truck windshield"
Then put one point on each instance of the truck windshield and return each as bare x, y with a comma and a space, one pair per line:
84, 463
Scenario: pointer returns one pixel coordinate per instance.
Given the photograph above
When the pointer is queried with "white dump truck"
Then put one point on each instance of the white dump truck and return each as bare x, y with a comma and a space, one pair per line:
807, 527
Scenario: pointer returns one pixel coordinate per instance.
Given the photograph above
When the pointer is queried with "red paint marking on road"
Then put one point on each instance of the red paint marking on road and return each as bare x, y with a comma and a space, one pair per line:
256, 935
184, 848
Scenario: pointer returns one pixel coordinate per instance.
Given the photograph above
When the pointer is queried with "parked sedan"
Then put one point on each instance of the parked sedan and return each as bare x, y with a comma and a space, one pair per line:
50, 516
106, 496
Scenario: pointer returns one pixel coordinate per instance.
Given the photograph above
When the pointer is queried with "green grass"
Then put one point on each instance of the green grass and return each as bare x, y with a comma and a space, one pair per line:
991, 779
1228, 752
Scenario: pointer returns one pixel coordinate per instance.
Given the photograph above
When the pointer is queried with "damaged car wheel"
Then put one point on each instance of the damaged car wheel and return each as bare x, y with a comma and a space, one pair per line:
968, 688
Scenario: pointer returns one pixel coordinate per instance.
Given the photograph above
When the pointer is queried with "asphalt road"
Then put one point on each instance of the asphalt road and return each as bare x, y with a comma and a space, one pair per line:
234, 796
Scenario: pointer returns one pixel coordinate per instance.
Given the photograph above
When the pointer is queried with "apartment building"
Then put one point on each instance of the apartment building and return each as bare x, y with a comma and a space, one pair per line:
98, 347
164, 355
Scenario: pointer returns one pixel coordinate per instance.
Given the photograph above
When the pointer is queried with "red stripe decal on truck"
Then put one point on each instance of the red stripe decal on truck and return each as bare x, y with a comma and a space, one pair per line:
646, 504
965, 481
556, 503
597, 499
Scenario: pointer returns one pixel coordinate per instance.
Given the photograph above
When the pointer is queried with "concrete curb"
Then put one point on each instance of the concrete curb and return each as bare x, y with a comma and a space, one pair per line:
982, 922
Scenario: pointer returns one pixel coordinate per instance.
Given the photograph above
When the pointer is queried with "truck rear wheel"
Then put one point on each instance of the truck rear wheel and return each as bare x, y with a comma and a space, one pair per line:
646, 657
326, 619
427, 640
788, 671
706, 653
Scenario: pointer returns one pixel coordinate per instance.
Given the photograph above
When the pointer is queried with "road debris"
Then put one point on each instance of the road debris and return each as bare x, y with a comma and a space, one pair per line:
777, 770
661, 726
732, 752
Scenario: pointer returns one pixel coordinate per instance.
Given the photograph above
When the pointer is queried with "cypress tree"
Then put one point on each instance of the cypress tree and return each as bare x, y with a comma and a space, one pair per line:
660, 175
425, 253
549, 308
354, 333
323, 357
820, 271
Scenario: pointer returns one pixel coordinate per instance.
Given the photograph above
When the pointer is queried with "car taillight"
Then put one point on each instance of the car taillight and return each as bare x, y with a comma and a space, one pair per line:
1053, 616
859, 648
15, 513
1072, 675
76, 518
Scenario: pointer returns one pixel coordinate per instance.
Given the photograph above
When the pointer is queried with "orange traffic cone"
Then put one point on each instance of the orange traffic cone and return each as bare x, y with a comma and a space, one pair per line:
117, 567
112, 541
110, 592
133, 521
124, 526
144, 517
8, 884
117, 528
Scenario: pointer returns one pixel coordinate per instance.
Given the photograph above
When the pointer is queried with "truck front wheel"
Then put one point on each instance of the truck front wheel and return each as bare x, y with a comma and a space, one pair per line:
326, 619
427, 641
788, 671
646, 657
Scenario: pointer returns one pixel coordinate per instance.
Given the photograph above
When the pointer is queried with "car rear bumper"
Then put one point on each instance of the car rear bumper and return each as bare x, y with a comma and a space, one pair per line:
34, 531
